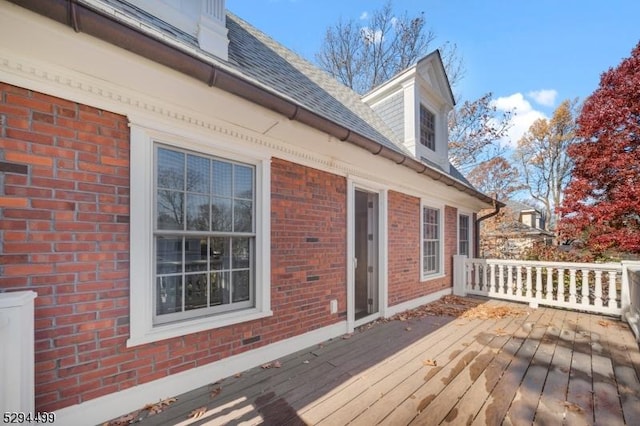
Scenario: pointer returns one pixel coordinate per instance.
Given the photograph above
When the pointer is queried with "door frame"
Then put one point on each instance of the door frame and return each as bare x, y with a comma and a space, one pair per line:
354, 184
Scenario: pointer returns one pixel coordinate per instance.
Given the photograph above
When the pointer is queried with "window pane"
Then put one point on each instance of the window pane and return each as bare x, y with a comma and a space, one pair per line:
219, 288
241, 286
241, 253
169, 291
198, 174
168, 255
243, 216
243, 182
197, 212
170, 210
220, 214
170, 169
221, 178
195, 254
221, 254
196, 291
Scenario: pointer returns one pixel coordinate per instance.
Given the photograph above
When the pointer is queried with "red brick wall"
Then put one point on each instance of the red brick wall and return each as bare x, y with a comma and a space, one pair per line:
308, 247
64, 233
404, 249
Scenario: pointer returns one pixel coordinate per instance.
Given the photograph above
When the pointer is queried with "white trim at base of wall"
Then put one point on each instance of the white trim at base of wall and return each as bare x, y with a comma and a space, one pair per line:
414, 303
99, 410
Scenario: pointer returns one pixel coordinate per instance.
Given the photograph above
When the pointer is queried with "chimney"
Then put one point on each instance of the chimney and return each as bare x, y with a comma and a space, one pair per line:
212, 30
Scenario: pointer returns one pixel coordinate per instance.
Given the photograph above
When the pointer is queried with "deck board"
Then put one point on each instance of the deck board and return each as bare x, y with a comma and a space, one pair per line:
547, 367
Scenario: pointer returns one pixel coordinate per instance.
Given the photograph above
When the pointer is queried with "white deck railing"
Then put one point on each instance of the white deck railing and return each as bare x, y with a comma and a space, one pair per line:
592, 287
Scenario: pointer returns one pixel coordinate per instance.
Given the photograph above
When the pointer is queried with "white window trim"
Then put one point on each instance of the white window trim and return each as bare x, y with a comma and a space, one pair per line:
424, 203
142, 329
469, 233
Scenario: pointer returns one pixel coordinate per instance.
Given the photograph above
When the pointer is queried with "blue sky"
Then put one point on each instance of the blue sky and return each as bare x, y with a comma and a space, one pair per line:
530, 54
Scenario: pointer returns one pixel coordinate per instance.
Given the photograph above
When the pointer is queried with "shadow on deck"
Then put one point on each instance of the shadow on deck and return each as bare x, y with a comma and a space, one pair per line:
542, 366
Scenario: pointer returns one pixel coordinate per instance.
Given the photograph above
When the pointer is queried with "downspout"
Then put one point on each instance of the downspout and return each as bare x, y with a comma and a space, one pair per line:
476, 243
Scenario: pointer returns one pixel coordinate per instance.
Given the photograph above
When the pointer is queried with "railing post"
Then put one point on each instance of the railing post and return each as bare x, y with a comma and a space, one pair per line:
16, 352
630, 295
459, 275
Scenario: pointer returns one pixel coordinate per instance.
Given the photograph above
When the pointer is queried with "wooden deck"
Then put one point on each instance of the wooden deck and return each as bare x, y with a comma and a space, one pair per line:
544, 367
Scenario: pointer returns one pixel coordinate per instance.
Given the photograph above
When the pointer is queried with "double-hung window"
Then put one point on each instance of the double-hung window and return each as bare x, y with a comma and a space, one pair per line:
204, 236
427, 128
200, 234
463, 234
431, 247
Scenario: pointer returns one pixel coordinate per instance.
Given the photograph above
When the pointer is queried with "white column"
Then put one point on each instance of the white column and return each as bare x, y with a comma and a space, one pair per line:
16, 352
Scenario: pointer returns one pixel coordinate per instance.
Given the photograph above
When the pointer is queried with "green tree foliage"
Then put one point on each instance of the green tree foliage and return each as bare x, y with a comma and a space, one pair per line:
602, 204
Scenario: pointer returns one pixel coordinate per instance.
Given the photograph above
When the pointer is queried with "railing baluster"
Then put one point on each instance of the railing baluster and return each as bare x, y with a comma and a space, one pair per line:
538, 282
613, 299
529, 295
501, 279
492, 284
549, 295
585, 287
519, 280
572, 286
598, 289
560, 285
510, 280
476, 276
485, 277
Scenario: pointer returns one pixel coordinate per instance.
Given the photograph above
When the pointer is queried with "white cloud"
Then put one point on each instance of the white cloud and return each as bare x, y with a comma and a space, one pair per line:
544, 97
364, 15
523, 116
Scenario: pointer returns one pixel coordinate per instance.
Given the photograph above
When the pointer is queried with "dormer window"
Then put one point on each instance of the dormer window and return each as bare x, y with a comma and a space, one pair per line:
427, 128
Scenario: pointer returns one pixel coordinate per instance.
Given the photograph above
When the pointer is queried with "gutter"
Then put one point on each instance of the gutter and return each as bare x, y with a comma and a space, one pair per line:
497, 205
84, 19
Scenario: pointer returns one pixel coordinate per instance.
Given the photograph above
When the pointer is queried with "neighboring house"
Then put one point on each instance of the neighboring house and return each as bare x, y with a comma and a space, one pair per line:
190, 199
510, 233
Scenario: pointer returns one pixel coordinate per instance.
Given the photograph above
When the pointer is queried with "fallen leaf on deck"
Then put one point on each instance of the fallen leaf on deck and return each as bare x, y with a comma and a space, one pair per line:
407, 328
346, 336
604, 323
305, 362
430, 362
501, 332
197, 413
216, 392
572, 407
238, 375
267, 365
121, 421
493, 312
159, 406
277, 364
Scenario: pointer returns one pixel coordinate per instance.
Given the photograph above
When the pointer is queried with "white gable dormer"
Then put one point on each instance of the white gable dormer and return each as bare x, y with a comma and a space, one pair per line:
203, 19
415, 104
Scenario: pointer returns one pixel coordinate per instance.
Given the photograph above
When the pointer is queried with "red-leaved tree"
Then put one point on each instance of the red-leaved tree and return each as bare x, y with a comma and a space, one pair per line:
602, 202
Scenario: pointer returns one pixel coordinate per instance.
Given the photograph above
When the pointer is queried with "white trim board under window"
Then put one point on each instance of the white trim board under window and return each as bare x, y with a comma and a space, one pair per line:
431, 241
151, 322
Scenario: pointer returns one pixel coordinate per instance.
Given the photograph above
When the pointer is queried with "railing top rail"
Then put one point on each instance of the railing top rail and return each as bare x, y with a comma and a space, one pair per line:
572, 265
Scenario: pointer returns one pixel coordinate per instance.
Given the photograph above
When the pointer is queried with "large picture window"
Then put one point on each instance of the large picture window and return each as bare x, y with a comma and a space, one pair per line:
427, 128
430, 241
204, 235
